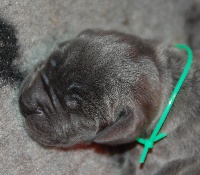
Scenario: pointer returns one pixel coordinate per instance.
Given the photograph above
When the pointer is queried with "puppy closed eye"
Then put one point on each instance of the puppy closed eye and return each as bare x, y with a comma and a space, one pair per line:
73, 101
72, 104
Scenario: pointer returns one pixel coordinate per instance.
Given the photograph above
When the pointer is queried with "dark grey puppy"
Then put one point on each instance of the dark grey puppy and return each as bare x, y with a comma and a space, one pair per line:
110, 88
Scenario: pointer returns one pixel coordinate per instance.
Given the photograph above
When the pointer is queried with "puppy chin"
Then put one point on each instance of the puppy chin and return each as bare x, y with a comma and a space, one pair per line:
54, 140
37, 135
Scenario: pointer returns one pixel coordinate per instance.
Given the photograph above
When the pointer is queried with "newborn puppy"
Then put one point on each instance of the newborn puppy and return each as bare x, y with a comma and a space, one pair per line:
110, 88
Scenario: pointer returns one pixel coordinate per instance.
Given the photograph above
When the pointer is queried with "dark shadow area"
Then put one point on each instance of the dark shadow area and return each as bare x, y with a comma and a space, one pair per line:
117, 151
98, 148
8, 52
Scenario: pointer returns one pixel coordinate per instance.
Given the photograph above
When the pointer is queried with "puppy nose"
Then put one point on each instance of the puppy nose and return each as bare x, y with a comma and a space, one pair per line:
31, 95
24, 107
27, 108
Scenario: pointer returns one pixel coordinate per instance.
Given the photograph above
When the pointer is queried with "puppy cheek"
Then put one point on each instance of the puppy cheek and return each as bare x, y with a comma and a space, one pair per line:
148, 97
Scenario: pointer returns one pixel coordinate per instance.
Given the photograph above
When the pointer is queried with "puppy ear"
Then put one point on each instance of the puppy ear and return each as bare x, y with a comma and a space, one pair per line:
138, 114
126, 129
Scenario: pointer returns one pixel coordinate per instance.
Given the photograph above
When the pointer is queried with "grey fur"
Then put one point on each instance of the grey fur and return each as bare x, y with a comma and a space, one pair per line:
109, 88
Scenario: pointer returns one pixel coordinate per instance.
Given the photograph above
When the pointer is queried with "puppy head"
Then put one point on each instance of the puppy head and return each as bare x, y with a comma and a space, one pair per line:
102, 87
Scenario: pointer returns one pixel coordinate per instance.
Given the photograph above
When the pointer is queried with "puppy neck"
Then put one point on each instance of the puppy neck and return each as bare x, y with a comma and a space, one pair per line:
172, 63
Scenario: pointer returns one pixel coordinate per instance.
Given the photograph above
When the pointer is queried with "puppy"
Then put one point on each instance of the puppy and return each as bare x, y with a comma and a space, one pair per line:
111, 88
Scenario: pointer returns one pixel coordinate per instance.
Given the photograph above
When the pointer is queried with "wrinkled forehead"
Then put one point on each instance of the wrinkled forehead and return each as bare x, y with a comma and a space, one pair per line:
99, 59
94, 54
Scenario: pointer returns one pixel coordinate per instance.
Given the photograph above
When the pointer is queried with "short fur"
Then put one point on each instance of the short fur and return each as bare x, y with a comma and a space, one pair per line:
110, 88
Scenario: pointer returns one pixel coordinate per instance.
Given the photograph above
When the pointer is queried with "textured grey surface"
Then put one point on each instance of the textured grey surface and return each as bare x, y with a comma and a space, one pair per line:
40, 26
